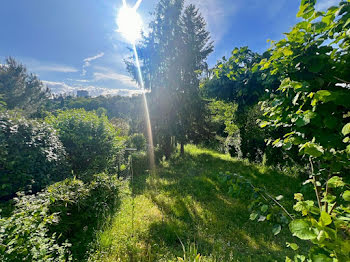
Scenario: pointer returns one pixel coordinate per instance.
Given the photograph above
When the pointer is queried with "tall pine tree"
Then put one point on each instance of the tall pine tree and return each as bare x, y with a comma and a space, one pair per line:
196, 48
21, 90
172, 55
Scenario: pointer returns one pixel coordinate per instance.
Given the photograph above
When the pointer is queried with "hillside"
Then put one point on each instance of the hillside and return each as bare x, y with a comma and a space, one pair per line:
185, 201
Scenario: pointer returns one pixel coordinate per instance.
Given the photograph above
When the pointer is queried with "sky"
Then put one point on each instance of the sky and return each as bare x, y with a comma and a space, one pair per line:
74, 44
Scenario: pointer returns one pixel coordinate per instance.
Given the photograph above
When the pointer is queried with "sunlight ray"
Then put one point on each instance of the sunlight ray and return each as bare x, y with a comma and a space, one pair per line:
130, 26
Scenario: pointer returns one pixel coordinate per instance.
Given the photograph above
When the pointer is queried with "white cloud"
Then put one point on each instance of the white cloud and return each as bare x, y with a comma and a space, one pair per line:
59, 87
63, 88
36, 67
87, 61
78, 80
108, 74
323, 5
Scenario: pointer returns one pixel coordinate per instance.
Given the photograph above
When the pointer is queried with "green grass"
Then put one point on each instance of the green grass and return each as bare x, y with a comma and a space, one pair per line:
185, 201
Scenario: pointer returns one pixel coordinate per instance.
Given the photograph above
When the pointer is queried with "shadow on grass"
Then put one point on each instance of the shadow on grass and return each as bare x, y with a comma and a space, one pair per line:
196, 208
81, 224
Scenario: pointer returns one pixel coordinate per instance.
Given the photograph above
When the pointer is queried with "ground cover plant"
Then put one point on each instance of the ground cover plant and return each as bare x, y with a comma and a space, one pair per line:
59, 223
187, 201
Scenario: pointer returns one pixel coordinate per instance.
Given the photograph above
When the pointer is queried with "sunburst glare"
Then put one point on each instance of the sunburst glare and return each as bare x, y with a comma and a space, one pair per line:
129, 23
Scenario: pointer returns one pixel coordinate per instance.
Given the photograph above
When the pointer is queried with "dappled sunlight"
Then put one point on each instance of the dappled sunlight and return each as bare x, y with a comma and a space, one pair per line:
193, 206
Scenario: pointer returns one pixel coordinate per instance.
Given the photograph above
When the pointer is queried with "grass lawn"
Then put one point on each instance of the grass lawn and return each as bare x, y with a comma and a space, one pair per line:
185, 201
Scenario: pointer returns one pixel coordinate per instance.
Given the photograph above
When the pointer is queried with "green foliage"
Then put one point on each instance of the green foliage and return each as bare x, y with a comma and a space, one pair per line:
311, 103
25, 235
2, 103
237, 80
326, 227
185, 200
173, 56
31, 155
224, 114
128, 108
57, 224
138, 141
191, 254
82, 209
121, 125
263, 206
91, 141
20, 90
311, 107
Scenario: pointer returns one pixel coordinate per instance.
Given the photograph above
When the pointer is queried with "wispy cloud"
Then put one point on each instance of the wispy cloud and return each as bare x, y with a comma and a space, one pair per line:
42, 67
88, 60
108, 74
325, 4
78, 80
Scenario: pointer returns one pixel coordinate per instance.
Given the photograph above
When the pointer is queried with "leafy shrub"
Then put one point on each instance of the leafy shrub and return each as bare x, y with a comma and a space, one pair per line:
140, 163
327, 227
58, 222
91, 141
138, 141
82, 208
312, 107
31, 154
121, 125
25, 236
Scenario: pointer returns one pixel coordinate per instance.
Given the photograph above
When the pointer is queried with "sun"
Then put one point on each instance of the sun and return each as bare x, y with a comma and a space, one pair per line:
129, 23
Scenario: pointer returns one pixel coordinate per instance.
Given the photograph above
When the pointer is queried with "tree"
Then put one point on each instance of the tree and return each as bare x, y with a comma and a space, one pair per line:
21, 90
196, 48
172, 55
2, 103
237, 80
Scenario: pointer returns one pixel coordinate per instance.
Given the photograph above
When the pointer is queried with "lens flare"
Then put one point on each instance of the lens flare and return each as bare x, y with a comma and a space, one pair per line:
129, 23
130, 26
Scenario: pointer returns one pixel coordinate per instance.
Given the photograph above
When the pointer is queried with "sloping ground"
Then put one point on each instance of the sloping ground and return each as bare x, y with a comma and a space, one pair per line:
186, 201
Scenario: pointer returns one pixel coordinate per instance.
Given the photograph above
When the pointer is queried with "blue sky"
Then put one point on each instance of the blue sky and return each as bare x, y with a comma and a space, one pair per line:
73, 44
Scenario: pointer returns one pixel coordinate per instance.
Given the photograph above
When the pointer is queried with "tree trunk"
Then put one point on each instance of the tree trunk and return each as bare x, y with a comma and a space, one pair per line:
167, 147
182, 150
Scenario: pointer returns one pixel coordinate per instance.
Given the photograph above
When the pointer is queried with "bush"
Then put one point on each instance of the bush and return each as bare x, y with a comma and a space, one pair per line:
82, 208
58, 222
25, 236
31, 155
90, 140
138, 141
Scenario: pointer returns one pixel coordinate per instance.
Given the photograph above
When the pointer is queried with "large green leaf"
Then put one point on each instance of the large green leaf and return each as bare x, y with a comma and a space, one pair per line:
312, 149
335, 182
324, 96
346, 129
276, 229
346, 195
317, 256
302, 229
306, 8
325, 219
